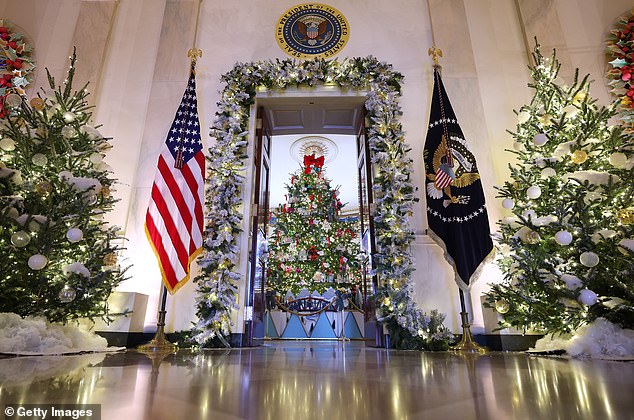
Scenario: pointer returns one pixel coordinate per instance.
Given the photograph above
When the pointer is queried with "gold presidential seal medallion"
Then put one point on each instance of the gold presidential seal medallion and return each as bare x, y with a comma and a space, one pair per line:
312, 30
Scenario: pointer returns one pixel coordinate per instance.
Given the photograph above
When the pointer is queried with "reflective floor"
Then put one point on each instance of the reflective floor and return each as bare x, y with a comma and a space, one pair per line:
324, 380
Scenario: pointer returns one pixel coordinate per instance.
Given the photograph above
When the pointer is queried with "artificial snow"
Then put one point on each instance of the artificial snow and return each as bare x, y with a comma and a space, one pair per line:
37, 336
599, 340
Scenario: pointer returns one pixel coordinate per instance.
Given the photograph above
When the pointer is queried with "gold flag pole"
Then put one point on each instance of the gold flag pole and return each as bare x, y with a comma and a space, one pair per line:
467, 344
159, 343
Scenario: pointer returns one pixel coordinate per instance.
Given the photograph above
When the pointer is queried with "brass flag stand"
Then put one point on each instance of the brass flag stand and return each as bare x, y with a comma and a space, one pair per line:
159, 343
467, 344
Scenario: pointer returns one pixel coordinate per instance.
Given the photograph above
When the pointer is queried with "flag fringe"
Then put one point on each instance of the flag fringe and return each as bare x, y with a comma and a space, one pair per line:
476, 274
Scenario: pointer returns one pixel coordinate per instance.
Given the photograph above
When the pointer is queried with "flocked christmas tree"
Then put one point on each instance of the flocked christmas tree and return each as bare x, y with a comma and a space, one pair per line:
567, 251
311, 246
57, 254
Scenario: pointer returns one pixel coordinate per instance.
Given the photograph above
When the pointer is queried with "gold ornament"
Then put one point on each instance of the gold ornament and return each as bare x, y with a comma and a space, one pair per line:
546, 120
110, 259
625, 216
579, 156
43, 188
532, 237
579, 98
105, 191
517, 185
37, 103
502, 306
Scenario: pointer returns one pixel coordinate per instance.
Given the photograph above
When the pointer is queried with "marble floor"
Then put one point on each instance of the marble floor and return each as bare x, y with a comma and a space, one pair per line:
324, 380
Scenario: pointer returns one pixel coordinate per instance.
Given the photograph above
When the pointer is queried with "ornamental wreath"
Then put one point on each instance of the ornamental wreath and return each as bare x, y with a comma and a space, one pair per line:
394, 192
16, 63
621, 74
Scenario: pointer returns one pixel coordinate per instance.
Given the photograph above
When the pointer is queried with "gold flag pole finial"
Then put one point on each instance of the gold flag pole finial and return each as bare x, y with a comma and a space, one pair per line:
435, 54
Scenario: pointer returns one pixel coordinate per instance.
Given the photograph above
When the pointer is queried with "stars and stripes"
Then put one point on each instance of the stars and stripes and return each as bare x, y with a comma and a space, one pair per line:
444, 176
174, 219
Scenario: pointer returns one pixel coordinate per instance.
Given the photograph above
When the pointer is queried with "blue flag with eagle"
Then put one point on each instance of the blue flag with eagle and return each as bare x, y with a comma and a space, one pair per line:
456, 212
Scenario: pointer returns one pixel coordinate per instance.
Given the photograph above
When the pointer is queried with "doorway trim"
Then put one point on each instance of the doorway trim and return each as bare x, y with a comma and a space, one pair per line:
229, 171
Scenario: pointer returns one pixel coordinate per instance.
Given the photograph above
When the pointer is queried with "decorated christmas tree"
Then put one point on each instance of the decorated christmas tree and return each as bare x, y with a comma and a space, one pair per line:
57, 254
567, 250
311, 245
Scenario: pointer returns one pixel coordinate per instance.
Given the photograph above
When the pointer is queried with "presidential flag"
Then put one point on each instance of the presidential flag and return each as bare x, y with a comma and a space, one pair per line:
456, 211
174, 219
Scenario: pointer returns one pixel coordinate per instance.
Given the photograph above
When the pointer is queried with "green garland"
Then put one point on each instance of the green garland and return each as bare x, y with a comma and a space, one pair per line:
393, 190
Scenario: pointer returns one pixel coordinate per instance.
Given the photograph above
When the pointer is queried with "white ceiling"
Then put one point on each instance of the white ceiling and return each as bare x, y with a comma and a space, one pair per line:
313, 115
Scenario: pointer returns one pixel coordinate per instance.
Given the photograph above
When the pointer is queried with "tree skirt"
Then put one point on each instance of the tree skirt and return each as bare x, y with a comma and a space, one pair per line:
598, 340
34, 336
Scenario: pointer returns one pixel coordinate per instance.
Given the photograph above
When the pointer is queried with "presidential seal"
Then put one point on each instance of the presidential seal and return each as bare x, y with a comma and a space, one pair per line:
312, 30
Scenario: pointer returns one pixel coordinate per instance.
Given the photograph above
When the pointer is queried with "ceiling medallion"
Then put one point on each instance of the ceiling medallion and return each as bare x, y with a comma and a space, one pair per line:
317, 145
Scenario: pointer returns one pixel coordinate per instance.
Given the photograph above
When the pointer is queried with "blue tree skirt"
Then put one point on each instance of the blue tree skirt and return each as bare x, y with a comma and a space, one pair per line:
294, 328
323, 329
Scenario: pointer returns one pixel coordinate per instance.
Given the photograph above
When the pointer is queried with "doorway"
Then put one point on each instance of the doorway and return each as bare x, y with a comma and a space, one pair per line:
287, 130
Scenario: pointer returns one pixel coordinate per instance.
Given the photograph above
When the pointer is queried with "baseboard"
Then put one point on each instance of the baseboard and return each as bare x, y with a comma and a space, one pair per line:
494, 342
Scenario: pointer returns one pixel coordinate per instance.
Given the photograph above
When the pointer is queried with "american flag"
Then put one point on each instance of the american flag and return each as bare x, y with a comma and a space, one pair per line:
444, 176
174, 219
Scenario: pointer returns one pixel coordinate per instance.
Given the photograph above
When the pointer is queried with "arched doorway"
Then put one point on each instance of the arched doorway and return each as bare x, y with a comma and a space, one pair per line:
231, 157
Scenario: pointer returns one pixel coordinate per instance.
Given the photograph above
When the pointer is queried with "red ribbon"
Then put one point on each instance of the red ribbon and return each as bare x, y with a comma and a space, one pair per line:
310, 161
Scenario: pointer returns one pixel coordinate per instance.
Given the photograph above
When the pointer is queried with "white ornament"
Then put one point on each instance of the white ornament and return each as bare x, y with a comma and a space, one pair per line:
517, 146
587, 297
618, 160
67, 294
589, 259
548, 172
523, 117
508, 203
74, 235
68, 132
540, 139
96, 158
37, 262
7, 144
68, 117
570, 111
572, 282
39, 159
563, 237
533, 192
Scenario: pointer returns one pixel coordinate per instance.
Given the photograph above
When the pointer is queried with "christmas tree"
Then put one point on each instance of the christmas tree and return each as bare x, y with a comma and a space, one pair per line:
57, 254
311, 246
567, 250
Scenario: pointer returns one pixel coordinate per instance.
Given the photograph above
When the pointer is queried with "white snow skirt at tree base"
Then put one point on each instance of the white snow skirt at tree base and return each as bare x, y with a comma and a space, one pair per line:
36, 336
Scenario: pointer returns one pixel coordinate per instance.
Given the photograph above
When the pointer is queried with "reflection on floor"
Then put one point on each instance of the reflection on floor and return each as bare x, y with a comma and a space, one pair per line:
324, 380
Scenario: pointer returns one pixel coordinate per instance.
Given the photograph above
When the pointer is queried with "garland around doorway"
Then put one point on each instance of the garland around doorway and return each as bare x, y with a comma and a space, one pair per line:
393, 189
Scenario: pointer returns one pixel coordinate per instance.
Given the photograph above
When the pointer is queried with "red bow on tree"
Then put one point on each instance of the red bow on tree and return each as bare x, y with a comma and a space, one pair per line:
310, 161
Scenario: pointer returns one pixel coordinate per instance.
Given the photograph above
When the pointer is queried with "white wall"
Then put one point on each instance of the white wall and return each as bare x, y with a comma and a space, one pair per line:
144, 71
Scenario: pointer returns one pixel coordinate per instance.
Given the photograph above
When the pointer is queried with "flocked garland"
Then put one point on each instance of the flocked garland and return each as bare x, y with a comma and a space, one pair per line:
621, 74
16, 63
393, 190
